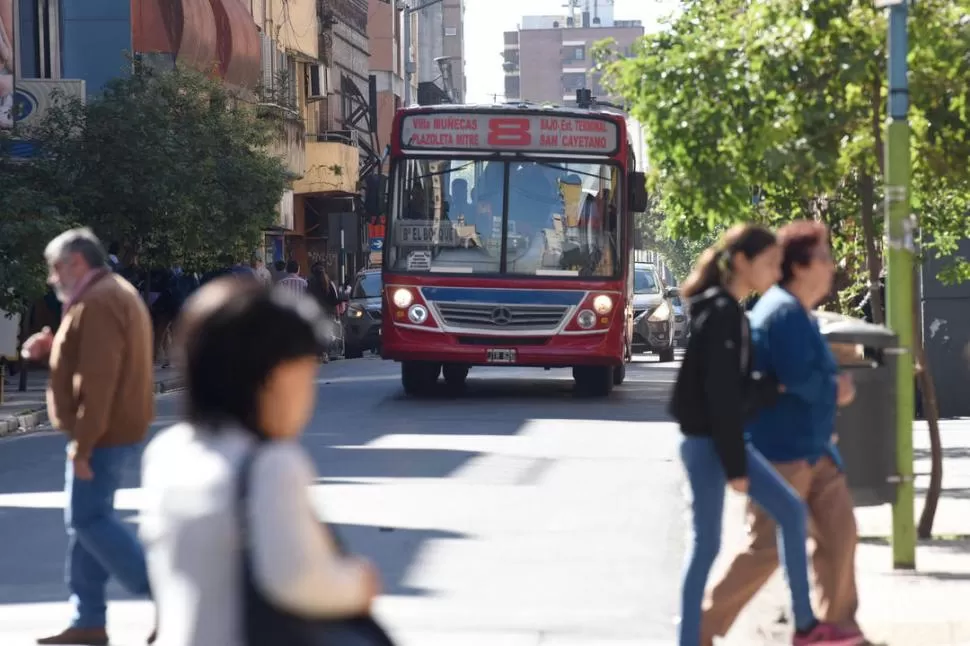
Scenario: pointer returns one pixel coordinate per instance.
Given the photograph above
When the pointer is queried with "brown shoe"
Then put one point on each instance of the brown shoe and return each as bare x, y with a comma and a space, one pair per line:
153, 637
78, 637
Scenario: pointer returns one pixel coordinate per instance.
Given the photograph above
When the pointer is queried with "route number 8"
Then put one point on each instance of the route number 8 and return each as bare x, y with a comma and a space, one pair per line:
509, 131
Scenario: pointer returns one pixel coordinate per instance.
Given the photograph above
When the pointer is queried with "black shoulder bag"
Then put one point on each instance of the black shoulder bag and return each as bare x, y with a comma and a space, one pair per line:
264, 624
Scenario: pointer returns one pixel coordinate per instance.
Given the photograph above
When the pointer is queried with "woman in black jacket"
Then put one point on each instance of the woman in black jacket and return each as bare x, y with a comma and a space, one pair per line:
714, 394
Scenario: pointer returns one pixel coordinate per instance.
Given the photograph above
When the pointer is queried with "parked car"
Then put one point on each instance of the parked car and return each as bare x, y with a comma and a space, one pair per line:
653, 313
681, 318
362, 319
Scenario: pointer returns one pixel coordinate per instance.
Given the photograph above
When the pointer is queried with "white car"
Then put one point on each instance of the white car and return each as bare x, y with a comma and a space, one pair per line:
681, 321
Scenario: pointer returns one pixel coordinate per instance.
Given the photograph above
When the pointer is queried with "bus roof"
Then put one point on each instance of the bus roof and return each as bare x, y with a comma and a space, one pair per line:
519, 106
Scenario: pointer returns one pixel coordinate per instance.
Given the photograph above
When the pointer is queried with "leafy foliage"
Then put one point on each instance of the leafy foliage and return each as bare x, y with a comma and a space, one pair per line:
774, 110
169, 164
28, 220
678, 252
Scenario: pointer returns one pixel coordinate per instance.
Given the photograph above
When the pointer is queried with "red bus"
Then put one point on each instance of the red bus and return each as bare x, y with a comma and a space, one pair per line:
508, 242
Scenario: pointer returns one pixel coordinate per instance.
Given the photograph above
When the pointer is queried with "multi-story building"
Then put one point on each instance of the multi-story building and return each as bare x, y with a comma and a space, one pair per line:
385, 23
341, 132
304, 62
441, 52
550, 57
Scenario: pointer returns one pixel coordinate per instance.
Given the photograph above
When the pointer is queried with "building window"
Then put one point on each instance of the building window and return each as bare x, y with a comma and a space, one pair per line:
451, 31
512, 90
579, 53
572, 81
511, 38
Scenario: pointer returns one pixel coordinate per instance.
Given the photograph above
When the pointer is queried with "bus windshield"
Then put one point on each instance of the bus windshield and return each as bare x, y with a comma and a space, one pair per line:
526, 218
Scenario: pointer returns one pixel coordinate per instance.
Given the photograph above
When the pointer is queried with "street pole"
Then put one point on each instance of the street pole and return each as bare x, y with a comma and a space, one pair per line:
408, 63
407, 55
900, 247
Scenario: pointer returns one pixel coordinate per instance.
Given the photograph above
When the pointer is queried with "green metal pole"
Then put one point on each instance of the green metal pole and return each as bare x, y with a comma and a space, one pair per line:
899, 289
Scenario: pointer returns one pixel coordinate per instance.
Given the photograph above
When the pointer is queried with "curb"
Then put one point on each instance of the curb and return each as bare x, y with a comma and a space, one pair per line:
31, 421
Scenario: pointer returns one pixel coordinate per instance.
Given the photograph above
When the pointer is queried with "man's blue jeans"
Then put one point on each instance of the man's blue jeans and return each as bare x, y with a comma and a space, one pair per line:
99, 543
767, 488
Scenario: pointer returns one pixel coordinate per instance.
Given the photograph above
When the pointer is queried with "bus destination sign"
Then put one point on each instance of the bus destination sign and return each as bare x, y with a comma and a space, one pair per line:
536, 133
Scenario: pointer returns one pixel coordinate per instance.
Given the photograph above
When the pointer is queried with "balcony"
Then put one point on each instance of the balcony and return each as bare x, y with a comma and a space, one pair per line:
332, 163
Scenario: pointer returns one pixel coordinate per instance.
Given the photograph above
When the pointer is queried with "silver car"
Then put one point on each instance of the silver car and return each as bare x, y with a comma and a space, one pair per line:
653, 313
681, 318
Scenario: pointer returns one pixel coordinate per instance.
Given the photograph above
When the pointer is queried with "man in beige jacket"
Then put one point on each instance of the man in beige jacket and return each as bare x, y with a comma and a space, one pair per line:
100, 395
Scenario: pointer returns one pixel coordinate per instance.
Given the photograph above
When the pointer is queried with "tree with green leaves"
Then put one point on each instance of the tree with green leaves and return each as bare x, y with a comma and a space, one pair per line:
29, 219
774, 110
171, 165
678, 252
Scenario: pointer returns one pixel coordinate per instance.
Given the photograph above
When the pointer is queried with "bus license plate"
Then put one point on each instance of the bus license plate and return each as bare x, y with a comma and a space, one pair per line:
500, 356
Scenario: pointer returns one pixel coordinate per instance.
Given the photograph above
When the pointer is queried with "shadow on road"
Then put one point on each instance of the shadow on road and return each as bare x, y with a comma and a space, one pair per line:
359, 403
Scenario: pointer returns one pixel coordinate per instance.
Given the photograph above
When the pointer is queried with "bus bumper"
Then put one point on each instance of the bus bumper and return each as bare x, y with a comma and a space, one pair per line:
562, 350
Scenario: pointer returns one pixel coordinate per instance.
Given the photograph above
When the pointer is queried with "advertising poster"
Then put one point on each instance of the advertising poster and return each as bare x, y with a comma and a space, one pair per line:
7, 67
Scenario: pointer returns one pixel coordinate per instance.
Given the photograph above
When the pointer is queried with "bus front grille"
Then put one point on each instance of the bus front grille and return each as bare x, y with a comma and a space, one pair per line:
496, 316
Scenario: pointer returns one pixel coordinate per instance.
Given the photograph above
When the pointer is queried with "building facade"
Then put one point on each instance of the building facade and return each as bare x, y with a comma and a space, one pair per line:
550, 57
441, 52
385, 28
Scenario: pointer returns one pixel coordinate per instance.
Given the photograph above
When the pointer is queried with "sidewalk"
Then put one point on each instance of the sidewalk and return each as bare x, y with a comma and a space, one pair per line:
23, 412
925, 607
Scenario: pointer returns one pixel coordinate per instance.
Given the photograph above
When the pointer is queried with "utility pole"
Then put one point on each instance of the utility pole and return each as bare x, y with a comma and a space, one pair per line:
407, 10
900, 251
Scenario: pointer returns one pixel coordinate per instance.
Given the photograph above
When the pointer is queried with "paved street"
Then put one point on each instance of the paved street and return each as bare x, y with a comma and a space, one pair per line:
516, 514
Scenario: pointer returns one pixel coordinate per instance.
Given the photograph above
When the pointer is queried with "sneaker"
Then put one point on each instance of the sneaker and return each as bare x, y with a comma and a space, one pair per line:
829, 635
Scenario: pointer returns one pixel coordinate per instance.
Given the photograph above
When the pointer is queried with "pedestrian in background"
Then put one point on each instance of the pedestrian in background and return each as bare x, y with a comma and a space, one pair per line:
796, 433
245, 414
293, 281
278, 270
100, 395
715, 391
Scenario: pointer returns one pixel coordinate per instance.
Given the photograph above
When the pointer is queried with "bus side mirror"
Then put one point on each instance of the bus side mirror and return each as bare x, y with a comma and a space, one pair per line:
637, 186
375, 195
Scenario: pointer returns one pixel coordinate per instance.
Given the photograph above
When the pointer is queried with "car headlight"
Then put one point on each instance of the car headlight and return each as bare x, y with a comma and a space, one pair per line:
402, 297
355, 313
662, 313
603, 304
586, 319
418, 314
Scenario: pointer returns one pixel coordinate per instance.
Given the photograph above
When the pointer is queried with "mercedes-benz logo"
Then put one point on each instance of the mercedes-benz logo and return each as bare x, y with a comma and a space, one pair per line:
501, 316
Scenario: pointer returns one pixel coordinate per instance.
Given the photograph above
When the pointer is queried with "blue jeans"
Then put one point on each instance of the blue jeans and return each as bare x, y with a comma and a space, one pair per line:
99, 543
774, 495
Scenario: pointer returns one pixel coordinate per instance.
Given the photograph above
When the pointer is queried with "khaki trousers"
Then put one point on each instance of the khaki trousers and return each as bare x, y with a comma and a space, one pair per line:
833, 528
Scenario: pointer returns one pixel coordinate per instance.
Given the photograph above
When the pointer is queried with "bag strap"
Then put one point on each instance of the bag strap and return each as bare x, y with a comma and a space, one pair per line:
243, 482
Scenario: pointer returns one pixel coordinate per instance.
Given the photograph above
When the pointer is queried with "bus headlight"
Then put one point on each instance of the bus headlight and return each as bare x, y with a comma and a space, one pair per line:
662, 313
586, 319
402, 297
418, 314
603, 304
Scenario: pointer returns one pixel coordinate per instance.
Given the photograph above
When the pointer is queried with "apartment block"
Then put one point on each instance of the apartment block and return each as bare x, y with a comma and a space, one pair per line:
548, 58
441, 52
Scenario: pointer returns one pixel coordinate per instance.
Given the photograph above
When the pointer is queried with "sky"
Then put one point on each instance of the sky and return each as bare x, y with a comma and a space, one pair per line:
486, 20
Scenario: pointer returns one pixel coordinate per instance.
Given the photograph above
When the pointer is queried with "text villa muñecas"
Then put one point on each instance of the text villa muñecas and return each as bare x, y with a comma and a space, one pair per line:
456, 136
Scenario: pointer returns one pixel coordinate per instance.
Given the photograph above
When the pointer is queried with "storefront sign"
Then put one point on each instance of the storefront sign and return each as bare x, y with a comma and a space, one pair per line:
536, 133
